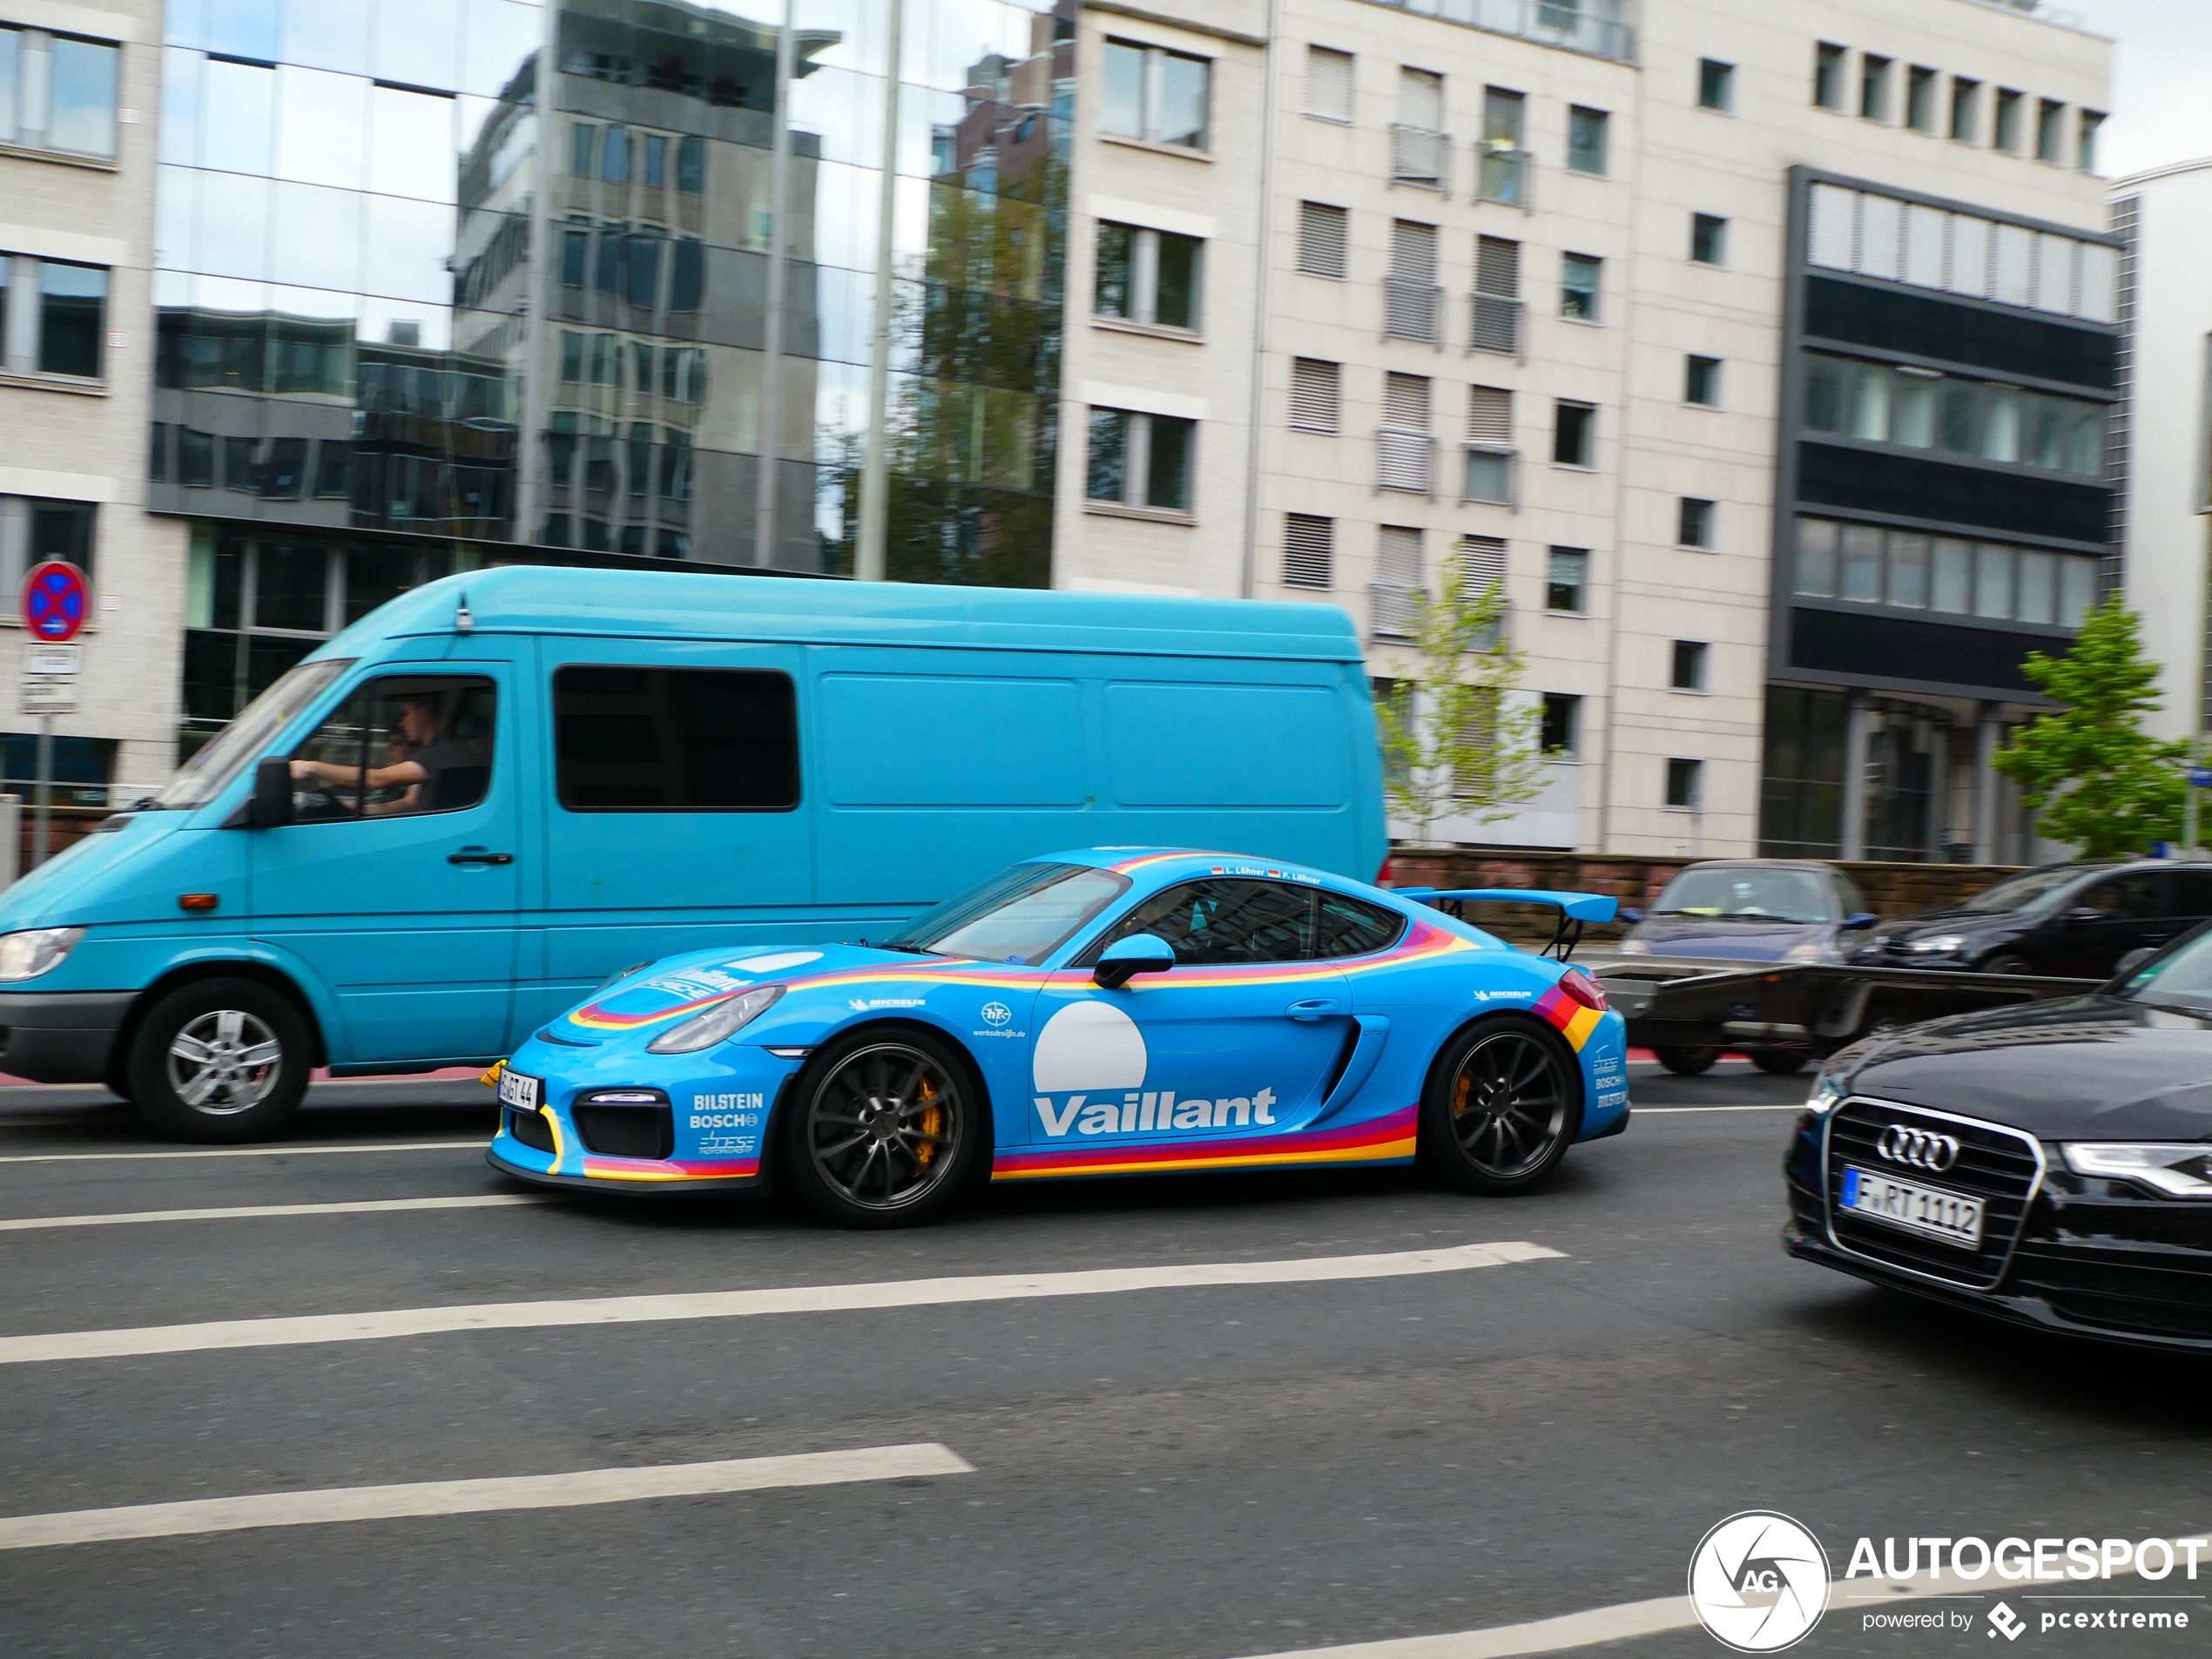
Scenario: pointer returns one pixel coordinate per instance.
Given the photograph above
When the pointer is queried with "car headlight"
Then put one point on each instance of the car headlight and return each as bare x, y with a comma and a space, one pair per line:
1827, 1095
1633, 948
1812, 951
26, 955
2180, 1169
717, 1024
1935, 944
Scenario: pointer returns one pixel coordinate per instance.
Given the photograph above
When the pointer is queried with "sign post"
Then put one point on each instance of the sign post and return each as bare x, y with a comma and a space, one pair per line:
56, 600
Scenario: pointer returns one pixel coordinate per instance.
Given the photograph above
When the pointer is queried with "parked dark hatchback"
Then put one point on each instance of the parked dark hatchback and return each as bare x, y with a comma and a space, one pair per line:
2049, 1163
2073, 920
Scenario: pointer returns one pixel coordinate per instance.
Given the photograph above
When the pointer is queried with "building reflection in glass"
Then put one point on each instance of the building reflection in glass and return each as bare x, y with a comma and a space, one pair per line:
496, 275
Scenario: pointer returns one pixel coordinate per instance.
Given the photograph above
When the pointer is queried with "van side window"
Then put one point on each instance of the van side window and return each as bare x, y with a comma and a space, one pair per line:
1351, 926
1215, 922
674, 740
402, 745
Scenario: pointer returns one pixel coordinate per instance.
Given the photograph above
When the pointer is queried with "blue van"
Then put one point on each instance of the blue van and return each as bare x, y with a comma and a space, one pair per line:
454, 820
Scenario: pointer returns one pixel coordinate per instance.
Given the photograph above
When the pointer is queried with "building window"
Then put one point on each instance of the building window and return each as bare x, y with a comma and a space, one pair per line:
1920, 98
613, 156
1328, 86
1398, 580
1574, 434
1154, 94
691, 166
1694, 523
2085, 149
1147, 276
1404, 453
33, 529
1565, 576
1139, 460
1309, 550
583, 149
2007, 136
1316, 395
1689, 674
1828, 76
1413, 301
2050, 131
1420, 152
57, 93
1922, 408
1585, 141
1578, 286
52, 317
1873, 87
1489, 446
1702, 382
1685, 784
1503, 174
1964, 95
1867, 564
1321, 239
1707, 239
1716, 84
1560, 735
656, 161
1496, 324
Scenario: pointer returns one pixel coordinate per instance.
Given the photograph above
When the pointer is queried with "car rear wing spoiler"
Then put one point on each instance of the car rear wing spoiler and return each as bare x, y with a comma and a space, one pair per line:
1575, 908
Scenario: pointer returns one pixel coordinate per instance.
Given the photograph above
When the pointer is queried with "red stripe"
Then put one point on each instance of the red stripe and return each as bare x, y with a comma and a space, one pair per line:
1396, 1127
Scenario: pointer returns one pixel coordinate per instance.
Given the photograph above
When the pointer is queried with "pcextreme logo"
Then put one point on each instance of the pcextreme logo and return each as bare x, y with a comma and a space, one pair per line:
1759, 1581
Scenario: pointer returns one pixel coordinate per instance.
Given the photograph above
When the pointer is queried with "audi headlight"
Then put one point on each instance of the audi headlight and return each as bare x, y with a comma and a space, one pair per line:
717, 1024
2179, 1171
1827, 1095
26, 955
1936, 944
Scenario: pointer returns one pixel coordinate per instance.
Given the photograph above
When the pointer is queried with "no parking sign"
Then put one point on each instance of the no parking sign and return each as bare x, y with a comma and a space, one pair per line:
55, 601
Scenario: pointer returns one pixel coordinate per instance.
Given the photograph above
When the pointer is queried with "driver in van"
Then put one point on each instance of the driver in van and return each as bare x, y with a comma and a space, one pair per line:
409, 781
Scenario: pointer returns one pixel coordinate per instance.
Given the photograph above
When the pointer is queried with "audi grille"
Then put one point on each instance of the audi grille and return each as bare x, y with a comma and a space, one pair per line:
2002, 1167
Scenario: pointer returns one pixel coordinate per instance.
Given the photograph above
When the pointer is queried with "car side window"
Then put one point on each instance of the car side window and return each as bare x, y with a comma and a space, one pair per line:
1211, 923
2189, 892
2121, 898
1349, 927
400, 746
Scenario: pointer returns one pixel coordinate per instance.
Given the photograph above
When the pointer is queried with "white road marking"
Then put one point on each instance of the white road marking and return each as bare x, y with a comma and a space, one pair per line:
477, 1497
287, 1150
1657, 1111
238, 1212
727, 1304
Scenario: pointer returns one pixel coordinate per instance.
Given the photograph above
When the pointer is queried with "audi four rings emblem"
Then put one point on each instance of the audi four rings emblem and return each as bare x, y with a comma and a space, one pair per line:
1920, 1147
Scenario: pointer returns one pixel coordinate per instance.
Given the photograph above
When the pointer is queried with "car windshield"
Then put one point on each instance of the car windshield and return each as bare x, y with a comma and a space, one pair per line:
229, 750
2023, 892
1022, 914
2181, 979
1748, 893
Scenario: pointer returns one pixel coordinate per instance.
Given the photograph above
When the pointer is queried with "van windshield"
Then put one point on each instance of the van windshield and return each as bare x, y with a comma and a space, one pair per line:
1021, 915
237, 745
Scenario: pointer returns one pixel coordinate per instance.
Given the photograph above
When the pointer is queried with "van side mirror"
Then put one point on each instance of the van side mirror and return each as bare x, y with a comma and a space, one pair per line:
2134, 960
1860, 921
1138, 953
271, 805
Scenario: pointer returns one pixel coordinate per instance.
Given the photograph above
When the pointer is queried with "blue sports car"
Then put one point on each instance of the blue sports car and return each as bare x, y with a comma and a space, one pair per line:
1114, 1011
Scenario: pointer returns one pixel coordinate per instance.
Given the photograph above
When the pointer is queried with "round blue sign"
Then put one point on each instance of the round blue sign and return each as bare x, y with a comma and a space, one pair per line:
55, 601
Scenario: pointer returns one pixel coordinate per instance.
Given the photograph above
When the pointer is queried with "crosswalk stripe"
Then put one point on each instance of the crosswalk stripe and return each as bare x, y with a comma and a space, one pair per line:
477, 1497
725, 1305
239, 1213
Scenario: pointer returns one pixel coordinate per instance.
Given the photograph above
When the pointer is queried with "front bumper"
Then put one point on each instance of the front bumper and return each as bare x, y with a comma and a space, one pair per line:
61, 1036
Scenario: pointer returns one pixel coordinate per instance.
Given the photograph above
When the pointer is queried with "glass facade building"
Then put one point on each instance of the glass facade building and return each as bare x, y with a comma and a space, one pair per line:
445, 282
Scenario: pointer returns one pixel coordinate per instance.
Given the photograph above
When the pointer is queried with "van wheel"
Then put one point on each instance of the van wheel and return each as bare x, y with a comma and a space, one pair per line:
1686, 1062
881, 1130
221, 1060
1503, 1103
1780, 1063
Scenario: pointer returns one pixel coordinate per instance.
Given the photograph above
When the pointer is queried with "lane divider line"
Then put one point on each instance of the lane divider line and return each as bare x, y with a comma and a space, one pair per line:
1666, 1111
279, 1151
238, 1212
727, 1304
567, 1491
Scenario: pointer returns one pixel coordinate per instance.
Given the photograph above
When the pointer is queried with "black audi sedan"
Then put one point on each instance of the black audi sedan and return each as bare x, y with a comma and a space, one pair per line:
2049, 1163
2071, 921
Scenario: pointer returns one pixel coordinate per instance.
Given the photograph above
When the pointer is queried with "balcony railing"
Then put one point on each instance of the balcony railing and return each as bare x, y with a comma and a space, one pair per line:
1597, 27
1390, 606
1421, 156
1413, 310
1505, 174
1405, 460
1494, 324
1491, 474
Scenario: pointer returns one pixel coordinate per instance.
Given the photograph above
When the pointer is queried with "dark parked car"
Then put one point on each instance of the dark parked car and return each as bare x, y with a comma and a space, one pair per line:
2074, 921
2049, 1163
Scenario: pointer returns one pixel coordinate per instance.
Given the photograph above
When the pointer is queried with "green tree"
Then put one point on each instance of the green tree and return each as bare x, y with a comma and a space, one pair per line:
2094, 775
1455, 743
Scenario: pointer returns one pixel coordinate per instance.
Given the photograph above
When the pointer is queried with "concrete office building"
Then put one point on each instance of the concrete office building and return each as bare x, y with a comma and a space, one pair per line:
1554, 288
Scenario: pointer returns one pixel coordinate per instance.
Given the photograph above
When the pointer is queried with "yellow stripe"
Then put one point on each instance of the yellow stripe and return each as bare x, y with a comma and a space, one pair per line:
658, 1175
1400, 1149
1579, 1027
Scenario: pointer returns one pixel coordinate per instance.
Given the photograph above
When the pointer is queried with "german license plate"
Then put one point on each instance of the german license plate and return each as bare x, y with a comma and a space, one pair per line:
518, 1090
1952, 1217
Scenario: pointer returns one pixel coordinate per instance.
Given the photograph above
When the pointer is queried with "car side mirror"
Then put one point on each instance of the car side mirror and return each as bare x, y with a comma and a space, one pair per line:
270, 807
1631, 916
1138, 953
2081, 915
2134, 960
1860, 922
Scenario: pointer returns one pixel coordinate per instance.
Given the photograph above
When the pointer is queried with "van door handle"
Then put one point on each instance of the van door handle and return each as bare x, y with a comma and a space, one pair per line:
478, 855
1314, 1008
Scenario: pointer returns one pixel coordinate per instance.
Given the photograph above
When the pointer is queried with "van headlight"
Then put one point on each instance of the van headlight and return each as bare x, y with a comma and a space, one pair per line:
2180, 1169
717, 1024
28, 954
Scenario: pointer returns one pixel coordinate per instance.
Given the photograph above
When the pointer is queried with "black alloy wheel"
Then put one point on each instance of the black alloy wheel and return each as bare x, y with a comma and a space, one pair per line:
1780, 1063
881, 1128
219, 1060
1688, 1062
1503, 1103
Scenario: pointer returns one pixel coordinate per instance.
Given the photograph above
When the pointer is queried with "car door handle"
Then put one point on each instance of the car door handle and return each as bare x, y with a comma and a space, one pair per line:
478, 855
1314, 1008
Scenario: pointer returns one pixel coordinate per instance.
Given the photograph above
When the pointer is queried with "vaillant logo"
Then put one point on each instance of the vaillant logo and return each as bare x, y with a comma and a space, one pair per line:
1759, 1581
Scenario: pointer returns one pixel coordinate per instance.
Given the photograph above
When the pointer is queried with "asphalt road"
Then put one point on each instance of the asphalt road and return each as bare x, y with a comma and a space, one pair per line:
1206, 1471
